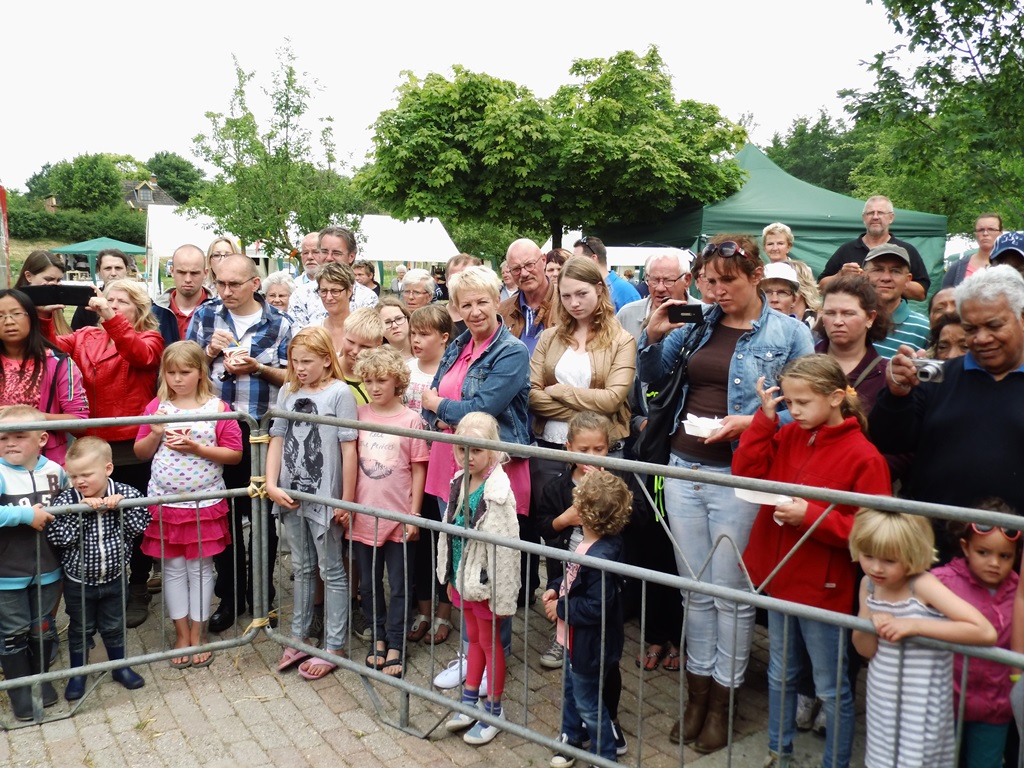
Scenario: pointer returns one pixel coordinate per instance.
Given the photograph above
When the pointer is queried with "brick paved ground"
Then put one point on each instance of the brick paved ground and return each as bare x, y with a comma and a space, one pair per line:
240, 711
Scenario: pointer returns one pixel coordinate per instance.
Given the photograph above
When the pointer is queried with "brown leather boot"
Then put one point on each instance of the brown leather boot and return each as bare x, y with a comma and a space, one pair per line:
697, 689
715, 733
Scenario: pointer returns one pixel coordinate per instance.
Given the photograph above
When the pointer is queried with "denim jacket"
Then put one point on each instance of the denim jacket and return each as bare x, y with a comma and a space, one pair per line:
498, 383
773, 341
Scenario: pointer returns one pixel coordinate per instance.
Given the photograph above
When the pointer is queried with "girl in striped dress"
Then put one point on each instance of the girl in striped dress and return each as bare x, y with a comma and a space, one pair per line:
910, 687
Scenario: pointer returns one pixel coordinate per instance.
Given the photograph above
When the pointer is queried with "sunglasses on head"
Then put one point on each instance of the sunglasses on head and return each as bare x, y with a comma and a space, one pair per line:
984, 530
726, 250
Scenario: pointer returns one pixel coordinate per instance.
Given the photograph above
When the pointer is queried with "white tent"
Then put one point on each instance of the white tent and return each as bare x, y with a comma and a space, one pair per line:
618, 255
382, 238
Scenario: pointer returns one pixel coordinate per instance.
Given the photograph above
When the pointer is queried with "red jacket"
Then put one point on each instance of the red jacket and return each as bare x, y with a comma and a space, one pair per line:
120, 379
840, 458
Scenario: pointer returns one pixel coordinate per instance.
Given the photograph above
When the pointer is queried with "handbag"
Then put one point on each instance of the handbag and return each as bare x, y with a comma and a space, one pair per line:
655, 441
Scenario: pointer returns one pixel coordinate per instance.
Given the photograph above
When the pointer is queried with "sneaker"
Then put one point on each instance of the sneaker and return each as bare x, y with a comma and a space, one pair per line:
585, 742
820, 722
453, 675
620, 739
559, 760
552, 657
359, 626
806, 710
483, 733
460, 722
775, 760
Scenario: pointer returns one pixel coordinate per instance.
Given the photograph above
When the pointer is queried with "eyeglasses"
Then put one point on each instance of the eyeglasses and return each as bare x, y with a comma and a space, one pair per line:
872, 214
986, 231
986, 529
726, 250
331, 292
527, 266
779, 292
220, 255
411, 292
334, 254
394, 323
309, 252
232, 286
15, 316
668, 282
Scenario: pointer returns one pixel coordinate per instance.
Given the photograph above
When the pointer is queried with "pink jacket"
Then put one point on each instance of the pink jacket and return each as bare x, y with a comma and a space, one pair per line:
61, 391
988, 685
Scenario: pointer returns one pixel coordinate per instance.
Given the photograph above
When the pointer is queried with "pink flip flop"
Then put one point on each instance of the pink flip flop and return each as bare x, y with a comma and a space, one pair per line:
315, 662
290, 658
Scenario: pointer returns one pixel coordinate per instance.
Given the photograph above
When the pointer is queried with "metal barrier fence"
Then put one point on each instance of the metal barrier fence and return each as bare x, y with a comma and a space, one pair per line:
421, 690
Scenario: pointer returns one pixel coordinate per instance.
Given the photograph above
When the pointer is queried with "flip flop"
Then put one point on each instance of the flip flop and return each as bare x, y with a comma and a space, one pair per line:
315, 662
375, 654
290, 658
418, 629
652, 658
206, 663
181, 662
672, 660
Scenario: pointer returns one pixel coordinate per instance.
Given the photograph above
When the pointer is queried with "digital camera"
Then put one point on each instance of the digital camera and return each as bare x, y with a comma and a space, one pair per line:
929, 370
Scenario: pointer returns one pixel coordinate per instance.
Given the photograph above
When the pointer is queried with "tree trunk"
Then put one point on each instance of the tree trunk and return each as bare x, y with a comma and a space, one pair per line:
556, 234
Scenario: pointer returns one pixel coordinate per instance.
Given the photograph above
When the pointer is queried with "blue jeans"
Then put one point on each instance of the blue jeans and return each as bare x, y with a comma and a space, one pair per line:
94, 608
718, 632
822, 642
581, 703
25, 615
385, 618
314, 545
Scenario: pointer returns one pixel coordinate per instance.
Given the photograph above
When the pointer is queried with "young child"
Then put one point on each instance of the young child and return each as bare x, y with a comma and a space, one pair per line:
985, 578
28, 583
904, 601
560, 525
430, 330
392, 472
587, 605
363, 330
187, 457
95, 546
482, 580
825, 446
318, 459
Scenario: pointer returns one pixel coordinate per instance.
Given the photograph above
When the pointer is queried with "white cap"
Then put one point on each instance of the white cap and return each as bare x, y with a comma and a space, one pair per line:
781, 270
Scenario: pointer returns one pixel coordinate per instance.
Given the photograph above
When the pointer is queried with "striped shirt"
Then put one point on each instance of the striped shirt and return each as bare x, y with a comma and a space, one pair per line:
306, 309
267, 342
908, 327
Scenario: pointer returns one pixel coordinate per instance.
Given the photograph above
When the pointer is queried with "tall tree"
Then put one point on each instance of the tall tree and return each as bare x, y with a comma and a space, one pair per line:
38, 184
613, 147
275, 179
823, 153
88, 182
177, 176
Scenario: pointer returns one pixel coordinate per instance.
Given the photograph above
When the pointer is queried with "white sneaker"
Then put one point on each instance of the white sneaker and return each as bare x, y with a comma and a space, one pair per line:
460, 722
821, 722
483, 733
559, 760
453, 675
552, 657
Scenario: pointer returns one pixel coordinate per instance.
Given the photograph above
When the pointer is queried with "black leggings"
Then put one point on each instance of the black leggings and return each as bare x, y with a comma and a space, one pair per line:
424, 567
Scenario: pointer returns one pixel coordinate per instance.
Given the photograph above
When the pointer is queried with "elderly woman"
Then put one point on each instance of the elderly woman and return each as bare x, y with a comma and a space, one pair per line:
418, 289
44, 268
278, 288
778, 241
741, 340
35, 372
219, 250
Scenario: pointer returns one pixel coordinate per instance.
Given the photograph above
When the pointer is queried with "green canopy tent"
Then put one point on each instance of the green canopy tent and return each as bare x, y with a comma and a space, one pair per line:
821, 220
90, 248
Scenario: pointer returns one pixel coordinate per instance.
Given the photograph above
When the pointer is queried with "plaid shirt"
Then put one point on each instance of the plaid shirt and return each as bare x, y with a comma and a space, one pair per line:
267, 341
95, 544
306, 309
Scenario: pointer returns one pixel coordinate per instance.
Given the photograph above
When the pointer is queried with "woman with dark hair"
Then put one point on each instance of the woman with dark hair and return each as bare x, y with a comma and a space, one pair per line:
850, 324
740, 341
554, 261
44, 268
948, 339
35, 372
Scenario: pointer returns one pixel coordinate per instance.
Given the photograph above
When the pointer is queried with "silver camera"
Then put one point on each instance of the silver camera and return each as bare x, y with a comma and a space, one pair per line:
929, 370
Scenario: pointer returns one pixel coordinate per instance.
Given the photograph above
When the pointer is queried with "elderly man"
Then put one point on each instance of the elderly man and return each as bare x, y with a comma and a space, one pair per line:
242, 319
965, 431
668, 277
888, 269
335, 244
622, 293
528, 312
849, 258
309, 251
396, 283
188, 269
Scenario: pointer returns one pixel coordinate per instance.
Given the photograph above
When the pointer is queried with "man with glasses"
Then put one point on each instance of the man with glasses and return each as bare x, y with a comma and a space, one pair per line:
849, 258
335, 245
668, 277
249, 383
888, 269
527, 313
622, 293
309, 250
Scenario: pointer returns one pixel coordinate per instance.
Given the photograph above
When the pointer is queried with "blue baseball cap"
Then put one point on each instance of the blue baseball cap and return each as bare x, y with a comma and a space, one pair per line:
1008, 242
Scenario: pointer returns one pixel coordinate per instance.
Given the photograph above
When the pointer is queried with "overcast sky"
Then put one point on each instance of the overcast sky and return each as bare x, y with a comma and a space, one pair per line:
137, 78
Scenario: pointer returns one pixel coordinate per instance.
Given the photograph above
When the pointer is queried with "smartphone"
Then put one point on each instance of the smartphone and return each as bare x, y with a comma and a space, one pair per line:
69, 295
685, 313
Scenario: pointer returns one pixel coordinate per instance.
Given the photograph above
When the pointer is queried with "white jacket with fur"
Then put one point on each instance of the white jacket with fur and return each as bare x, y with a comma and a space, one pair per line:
487, 573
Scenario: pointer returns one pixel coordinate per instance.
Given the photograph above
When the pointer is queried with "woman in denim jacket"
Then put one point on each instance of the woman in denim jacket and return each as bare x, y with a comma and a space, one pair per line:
741, 340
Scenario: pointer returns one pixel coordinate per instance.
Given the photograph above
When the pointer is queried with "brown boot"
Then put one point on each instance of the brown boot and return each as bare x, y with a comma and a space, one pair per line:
697, 689
137, 609
715, 733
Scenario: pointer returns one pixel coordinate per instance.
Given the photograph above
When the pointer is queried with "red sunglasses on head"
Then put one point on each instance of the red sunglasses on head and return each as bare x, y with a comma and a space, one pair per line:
984, 530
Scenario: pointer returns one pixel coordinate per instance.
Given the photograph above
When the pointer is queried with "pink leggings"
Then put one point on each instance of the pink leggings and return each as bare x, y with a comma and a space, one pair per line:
484, 648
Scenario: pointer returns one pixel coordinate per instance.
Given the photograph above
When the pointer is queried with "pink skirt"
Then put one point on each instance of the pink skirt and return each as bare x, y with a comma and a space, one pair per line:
183, 533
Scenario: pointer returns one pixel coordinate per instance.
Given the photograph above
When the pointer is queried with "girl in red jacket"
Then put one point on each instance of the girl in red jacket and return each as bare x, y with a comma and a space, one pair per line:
825, 446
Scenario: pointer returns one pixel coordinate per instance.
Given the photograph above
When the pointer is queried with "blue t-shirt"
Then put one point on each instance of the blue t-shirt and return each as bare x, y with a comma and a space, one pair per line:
621, 291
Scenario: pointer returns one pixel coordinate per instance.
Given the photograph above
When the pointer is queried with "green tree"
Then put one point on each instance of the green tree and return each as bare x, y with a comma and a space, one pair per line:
823, 153
271, 180
959, 103
177, 176
38, 184
613, 147
88, 183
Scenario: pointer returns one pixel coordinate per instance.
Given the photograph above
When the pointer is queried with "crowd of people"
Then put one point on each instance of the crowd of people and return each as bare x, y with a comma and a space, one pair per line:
722, 362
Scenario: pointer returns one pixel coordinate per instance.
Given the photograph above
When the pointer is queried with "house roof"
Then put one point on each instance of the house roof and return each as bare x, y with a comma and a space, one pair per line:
130, 192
